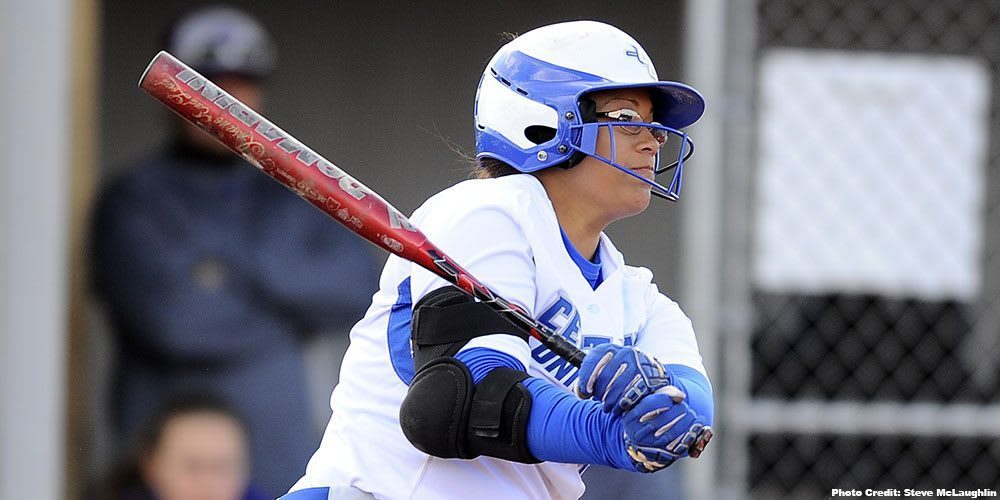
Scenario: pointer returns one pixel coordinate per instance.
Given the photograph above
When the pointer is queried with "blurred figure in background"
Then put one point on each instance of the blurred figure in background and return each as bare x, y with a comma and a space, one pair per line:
195, 448
213, 274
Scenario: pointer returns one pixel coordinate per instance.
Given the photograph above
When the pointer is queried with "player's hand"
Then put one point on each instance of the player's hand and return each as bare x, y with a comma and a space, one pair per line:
619, 377
661, 429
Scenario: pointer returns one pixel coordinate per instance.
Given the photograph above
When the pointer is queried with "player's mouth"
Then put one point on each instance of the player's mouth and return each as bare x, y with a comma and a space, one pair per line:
646, 172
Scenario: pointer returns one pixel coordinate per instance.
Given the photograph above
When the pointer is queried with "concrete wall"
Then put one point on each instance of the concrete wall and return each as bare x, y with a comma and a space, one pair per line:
34, 167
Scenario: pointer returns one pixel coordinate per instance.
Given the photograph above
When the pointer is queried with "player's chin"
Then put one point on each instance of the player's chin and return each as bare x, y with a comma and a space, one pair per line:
637, 199
643, 202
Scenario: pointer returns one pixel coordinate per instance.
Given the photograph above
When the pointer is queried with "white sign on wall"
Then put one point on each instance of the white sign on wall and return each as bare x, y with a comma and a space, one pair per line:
871, 173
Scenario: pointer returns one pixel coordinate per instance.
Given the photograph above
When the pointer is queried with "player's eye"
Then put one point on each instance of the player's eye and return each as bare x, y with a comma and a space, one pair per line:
626, 115
659, 134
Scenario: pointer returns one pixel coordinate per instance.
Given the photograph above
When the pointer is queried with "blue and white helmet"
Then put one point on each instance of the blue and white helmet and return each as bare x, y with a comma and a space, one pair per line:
528, 105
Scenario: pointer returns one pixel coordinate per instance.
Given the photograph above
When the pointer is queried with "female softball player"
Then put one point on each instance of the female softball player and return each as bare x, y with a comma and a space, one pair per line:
441, 398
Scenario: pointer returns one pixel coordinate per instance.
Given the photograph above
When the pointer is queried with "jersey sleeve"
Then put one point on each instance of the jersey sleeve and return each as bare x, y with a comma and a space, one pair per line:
669, 336
488, 241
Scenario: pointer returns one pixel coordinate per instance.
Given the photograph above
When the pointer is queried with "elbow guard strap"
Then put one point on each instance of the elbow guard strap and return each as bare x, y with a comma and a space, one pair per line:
446, 416
446, 319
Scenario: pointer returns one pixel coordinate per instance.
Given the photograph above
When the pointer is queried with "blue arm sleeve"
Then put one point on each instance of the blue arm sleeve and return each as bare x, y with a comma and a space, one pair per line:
482, 360
561, 428
697, 389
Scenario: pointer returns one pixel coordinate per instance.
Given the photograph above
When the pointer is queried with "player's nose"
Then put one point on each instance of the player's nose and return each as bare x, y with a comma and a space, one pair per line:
646, 142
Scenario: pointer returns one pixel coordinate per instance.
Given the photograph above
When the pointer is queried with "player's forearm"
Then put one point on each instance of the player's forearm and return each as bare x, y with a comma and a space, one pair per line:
561, 428
697, 390
565, 429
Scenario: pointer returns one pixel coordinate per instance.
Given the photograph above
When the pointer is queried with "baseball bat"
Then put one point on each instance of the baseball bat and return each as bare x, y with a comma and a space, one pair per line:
328, 188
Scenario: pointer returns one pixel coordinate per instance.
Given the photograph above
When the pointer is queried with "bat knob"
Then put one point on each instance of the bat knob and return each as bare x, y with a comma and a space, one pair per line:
701, 442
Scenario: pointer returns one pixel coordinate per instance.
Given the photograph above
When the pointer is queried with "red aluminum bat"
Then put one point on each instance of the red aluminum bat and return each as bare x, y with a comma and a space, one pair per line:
323, 184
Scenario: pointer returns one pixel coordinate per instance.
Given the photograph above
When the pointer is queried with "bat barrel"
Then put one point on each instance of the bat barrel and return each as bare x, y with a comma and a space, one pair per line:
320, 182
281, 156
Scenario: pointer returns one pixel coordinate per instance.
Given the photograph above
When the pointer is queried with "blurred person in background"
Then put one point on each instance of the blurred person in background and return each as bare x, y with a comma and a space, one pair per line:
213, 275
195, 447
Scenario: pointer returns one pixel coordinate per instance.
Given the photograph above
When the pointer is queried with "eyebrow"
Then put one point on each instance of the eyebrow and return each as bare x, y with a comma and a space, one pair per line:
633, 101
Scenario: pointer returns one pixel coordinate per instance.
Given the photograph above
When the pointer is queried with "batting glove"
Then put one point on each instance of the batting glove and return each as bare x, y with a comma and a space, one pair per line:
620, 377
661, 429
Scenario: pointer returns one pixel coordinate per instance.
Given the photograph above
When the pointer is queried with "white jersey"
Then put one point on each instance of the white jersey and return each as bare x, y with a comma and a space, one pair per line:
504, 231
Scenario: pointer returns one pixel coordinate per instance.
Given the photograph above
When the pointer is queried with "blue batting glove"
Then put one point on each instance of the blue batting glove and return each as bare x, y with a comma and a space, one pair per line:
662, 429
619, 377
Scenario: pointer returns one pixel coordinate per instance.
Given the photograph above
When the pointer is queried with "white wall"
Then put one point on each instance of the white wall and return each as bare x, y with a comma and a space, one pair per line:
34, 170
705, 43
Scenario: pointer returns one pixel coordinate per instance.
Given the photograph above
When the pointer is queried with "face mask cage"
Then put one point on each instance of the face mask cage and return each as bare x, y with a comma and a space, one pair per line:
584, 140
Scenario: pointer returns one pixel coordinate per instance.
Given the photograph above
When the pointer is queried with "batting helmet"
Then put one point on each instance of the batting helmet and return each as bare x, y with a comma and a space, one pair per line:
531, 111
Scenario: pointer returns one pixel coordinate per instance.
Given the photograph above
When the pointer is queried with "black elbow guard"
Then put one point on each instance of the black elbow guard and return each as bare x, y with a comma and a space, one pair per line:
446, 319
446, 416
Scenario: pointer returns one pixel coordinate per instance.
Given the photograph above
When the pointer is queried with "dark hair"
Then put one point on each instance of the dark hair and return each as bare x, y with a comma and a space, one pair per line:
491, 168
183, 404
507, 36
126, 479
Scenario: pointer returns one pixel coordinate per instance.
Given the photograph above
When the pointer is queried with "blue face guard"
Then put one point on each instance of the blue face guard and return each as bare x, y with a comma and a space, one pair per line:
584, 140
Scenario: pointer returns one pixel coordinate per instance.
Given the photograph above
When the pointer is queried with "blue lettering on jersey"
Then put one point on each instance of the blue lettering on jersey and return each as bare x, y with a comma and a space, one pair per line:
629, 339
595, 340
564, 319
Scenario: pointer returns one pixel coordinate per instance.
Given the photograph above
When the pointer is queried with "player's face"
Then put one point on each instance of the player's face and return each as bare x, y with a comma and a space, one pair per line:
615, 192
201, 456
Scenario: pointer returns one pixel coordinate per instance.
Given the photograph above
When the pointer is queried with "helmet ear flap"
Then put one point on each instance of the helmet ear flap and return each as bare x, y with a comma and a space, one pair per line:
539, 133
588, 114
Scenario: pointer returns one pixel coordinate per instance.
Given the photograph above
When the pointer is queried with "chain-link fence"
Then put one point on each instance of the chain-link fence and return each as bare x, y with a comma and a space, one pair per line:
870, 251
